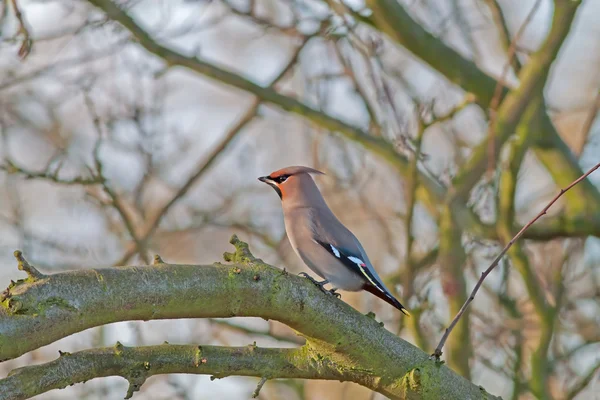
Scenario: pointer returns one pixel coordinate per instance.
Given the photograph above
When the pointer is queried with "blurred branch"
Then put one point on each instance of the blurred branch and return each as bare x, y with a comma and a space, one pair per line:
261, 21
205, 166
409, 275
256, 332
391, 18
11, 168
116, 201
217, 151
589, 121
452, 259
434, 192
583, 382
532, 80
504, 33
375, 126
27, 42
438, 350
501, 84
35, 312
515, 151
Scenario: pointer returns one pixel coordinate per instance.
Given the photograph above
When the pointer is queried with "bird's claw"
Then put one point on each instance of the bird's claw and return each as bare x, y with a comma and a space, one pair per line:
334, 293
313, 280
320, 285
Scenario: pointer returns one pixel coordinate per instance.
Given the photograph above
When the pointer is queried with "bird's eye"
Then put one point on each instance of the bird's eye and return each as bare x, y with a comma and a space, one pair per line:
281, 179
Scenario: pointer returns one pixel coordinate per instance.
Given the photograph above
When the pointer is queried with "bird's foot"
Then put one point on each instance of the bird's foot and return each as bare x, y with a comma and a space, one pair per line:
318, 284
334, 292
313, 280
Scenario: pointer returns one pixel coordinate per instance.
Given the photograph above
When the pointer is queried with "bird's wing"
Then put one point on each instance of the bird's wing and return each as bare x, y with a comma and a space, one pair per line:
359, 263
355, 262
334, 237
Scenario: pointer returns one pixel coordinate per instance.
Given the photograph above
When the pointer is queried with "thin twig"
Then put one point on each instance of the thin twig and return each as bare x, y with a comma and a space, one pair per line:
116, 200
25, 266
261, 383
11, 168
512, 49
504, 33
438, 351
27, 42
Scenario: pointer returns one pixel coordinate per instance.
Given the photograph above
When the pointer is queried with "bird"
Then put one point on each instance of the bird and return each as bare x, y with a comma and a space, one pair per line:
320, 240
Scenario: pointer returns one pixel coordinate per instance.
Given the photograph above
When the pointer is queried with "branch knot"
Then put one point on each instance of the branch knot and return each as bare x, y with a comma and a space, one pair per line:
242, 253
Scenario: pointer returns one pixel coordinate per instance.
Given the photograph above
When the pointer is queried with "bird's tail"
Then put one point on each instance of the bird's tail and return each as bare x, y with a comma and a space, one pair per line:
387, 297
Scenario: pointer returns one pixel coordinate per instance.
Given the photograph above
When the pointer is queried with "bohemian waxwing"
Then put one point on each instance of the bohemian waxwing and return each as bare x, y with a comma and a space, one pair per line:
320, 240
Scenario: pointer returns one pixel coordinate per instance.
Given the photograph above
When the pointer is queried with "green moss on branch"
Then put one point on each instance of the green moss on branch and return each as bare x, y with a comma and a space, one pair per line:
338, 337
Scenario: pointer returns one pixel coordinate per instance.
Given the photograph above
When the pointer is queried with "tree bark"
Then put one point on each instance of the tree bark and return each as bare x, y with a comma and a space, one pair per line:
341, 343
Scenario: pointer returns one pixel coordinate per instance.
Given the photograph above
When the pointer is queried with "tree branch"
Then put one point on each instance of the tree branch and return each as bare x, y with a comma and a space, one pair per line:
33, 314
390, 17
217, 151
136, 364
433, 194
532, 80
438, 351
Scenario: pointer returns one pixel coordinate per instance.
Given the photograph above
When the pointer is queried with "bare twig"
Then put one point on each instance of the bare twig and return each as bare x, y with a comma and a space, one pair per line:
25, 266
116, 201
438, 351
11, 168
261, 383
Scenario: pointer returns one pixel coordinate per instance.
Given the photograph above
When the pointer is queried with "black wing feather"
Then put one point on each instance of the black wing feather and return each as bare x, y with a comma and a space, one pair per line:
357, 265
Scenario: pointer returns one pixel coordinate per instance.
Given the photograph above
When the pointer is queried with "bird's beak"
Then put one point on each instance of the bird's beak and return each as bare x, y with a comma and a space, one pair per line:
271, 183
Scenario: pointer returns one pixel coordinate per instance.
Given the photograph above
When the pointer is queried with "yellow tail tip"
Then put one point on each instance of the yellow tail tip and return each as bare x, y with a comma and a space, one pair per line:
405, 312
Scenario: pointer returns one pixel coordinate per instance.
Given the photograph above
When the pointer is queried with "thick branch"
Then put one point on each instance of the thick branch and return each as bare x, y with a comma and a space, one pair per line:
136, 364
35, 313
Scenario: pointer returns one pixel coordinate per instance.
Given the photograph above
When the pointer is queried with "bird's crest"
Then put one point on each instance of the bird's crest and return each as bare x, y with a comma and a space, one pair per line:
294, 170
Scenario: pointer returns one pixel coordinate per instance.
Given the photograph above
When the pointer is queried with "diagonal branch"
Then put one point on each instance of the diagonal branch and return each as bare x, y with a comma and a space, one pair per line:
33, 314
438, 351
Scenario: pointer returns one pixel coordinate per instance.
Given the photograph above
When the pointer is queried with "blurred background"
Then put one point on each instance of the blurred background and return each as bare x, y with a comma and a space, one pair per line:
111, 153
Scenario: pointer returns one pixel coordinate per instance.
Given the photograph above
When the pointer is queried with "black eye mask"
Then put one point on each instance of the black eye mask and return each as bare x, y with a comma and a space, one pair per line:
281, 178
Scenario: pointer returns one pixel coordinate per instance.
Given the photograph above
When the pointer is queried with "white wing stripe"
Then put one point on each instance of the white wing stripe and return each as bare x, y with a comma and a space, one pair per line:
336, 252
